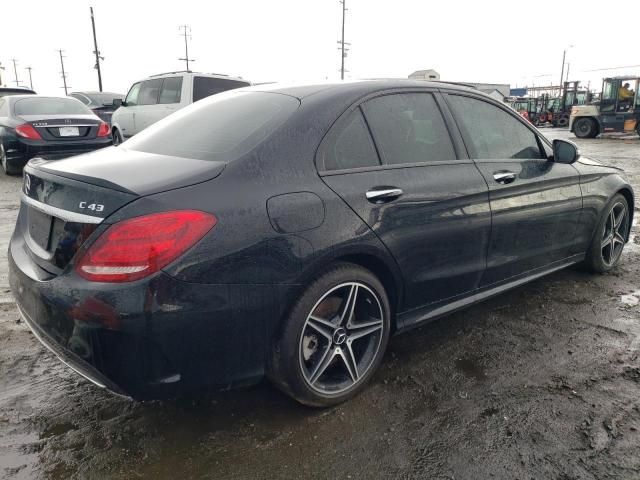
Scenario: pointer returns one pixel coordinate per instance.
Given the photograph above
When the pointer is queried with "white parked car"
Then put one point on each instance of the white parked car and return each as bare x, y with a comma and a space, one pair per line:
157, 96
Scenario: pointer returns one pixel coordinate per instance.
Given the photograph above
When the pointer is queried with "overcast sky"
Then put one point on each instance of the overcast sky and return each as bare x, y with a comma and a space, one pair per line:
296, 40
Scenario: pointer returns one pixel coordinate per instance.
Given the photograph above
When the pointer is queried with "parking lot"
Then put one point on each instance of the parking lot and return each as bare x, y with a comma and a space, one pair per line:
541, 382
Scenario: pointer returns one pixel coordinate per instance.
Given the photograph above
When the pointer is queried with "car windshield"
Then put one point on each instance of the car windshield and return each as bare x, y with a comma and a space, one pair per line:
50, 106
222, 127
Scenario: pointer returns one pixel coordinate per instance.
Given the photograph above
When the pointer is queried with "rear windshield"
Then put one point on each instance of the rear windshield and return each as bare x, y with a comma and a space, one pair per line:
206, 86
104, 98
50, 106
222, 127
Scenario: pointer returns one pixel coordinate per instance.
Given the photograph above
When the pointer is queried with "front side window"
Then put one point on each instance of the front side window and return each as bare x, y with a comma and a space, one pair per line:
149, 92
206, 86
132, 96
492, 133
171, 90
409, 128
348, 145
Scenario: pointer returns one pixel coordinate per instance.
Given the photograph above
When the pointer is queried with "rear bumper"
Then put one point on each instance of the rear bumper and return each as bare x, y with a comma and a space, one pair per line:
24, 150
153, 338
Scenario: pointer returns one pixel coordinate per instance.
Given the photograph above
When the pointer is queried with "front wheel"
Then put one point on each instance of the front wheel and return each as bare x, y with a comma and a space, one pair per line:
334, 338
585, 128
610, 236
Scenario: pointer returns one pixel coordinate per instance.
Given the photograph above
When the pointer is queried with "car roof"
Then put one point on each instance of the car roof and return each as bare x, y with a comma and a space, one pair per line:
17, 89
90, 92
190, 73
302, 91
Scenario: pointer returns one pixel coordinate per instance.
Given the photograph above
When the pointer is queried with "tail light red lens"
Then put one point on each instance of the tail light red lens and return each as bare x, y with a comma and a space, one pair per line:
103, 130
27, 131
135, 248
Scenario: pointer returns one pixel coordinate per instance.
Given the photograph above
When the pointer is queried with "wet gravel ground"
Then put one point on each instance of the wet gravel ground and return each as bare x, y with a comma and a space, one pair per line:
541, 382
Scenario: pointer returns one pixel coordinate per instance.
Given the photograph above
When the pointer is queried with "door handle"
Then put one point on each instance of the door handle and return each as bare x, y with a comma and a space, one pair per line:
504, 177
383, 194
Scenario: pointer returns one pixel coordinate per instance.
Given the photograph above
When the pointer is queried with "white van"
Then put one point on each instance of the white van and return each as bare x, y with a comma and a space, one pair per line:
157, 96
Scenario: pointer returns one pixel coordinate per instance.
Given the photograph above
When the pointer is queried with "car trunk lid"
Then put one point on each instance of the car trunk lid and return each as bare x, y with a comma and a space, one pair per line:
64, 202
67, 128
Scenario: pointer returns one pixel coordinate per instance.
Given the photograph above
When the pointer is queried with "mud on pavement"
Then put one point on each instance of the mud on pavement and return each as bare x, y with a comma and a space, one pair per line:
541, 382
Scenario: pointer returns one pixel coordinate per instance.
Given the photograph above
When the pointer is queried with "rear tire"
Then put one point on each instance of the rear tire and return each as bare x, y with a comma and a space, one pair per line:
117, 137
6, 166
563, 121
334, 338
585, 127
610, 236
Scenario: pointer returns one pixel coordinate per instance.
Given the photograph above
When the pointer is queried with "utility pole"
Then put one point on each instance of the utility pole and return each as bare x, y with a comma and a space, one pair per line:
64, 75
1, 69
186, 31
564, 55
15, 71
343, 45
96, 51
568, 67
30, 78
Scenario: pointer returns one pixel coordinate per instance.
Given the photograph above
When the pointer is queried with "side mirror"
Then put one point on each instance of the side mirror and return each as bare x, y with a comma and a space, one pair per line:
118, 102
565, 151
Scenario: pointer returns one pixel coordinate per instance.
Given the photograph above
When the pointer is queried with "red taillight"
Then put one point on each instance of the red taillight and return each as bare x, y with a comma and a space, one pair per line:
134, 248
103, 130
27, 131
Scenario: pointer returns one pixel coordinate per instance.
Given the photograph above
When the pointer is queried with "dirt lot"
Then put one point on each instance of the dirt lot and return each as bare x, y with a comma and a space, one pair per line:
542, 382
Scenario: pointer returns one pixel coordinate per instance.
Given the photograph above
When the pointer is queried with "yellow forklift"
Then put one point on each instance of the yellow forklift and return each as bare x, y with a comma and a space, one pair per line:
617, 111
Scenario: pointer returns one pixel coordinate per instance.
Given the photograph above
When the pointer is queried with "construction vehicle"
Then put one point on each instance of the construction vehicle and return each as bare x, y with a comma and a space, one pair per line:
618, 110
559, 108
533, 109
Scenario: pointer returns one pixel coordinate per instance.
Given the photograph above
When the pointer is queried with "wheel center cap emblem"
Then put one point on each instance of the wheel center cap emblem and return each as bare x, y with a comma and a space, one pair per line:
339, 336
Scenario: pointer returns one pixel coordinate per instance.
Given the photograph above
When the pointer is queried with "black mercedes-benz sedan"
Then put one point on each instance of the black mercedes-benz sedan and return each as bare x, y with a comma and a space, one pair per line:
48, 127
287, 232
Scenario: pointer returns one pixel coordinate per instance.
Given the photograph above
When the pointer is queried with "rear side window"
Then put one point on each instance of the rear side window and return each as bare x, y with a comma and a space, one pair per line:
409, 128
132, 96
149, 91
221, 128
491, 133
348, 145
50, 106
206, 86
171, 90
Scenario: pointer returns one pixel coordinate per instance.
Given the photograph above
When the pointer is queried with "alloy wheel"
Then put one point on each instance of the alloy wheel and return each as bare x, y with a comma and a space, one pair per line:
614, 235
341, 338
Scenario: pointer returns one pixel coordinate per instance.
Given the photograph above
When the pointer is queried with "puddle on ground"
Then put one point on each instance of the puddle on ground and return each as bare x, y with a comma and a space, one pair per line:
631, 299
471, 368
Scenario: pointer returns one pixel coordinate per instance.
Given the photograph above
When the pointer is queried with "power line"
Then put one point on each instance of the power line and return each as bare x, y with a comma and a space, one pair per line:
187, 34
64, 75
95, 50
612, 68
